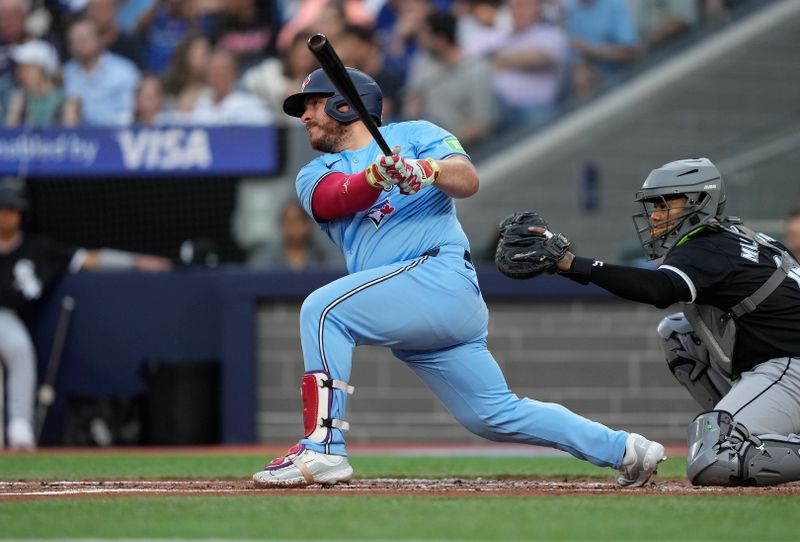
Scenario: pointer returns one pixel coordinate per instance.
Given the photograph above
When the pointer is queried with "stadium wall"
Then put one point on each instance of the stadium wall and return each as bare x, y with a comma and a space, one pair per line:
555, 340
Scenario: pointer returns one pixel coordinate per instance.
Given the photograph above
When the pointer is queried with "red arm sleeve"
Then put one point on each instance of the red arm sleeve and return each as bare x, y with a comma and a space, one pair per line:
338, 195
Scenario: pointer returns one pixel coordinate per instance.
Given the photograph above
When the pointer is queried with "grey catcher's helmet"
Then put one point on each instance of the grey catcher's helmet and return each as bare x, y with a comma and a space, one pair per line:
318, 83
697, 179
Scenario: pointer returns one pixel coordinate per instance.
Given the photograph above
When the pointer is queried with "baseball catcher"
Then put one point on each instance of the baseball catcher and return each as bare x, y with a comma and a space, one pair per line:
736, 345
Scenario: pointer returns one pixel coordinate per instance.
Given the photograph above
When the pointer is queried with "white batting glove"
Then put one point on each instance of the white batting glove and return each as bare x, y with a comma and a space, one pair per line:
420, 173
386, 171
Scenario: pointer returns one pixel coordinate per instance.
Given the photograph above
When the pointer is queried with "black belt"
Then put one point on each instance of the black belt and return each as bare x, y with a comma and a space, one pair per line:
435, 252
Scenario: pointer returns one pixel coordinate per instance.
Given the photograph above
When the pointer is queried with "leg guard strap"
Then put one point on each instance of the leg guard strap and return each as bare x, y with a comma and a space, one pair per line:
303, 468
317, 390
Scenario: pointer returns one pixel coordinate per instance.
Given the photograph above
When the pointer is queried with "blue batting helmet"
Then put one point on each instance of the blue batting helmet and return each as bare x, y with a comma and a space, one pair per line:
318, 83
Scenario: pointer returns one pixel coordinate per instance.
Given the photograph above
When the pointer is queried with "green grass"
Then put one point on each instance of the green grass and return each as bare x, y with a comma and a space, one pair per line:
297, 516
336, 517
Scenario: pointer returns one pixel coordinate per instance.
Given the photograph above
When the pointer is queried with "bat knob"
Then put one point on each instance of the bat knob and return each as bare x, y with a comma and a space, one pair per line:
317, 41
47, 395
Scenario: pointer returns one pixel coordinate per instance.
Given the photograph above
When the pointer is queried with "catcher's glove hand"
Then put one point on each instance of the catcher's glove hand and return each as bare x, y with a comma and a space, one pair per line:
524, 254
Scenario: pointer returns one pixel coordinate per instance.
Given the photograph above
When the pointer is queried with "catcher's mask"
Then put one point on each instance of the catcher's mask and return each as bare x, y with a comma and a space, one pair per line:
318, 83
697, 180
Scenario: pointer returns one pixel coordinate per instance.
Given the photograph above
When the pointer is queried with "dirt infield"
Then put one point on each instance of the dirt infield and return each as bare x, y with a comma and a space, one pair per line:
31, 490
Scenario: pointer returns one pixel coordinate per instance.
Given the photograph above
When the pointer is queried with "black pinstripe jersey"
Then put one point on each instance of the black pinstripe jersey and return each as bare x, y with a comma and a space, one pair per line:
721, 269
28, 270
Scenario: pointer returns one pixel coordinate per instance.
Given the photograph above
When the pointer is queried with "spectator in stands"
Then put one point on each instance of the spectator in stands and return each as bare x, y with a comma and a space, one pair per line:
221, 102
39, 99
358, 48
297, 249
247, 29
29, 266
99, 84
483, 24
553, 12
185, 77
447, 87
398, 22
130, 11
149, 101
103, 13
529, 65
276, 77
164, 25
659, 23
792, 227
604, 41
325, 16
12, 30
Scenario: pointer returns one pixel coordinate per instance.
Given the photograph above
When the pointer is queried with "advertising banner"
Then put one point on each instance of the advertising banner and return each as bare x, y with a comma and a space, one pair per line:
140, 151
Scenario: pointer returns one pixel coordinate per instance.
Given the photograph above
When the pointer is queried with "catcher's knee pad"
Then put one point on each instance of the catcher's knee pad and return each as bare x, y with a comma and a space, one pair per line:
317, 390
724, 453
687, 358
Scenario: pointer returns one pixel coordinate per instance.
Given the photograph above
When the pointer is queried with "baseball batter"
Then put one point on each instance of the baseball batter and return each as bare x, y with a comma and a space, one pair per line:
412, 288
736, 345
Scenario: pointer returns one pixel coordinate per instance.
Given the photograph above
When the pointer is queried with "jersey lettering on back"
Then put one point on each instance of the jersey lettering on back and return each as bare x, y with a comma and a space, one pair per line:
749, 250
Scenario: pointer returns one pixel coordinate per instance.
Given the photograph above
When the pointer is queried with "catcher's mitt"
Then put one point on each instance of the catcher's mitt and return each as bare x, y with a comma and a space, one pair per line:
523, 254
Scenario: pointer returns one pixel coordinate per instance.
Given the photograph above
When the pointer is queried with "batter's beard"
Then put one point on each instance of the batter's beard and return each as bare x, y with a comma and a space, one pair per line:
333, 138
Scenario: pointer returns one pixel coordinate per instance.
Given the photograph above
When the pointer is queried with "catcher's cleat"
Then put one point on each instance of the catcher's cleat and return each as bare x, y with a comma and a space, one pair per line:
301, 467
641, 460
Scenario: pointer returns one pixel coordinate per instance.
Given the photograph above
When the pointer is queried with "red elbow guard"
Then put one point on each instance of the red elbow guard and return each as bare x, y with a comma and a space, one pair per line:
338, 195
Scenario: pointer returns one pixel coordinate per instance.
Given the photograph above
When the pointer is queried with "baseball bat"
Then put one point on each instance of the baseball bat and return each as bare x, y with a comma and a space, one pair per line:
329, 61
46, 393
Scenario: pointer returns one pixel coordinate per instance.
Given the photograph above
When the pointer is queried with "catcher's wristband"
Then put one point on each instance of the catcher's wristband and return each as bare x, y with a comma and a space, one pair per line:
580, 271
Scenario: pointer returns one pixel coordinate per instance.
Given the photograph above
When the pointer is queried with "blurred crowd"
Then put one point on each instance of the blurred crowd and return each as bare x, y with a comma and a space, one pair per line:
471, 66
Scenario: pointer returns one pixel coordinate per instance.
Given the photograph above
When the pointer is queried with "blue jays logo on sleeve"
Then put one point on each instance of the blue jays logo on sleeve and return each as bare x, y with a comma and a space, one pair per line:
379, 211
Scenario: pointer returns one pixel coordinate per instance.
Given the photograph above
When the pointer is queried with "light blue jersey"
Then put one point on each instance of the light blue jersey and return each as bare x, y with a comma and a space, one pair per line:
412, 288
396, 227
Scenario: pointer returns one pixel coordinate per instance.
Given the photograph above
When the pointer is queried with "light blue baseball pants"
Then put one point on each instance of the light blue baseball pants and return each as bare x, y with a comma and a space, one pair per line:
430, 312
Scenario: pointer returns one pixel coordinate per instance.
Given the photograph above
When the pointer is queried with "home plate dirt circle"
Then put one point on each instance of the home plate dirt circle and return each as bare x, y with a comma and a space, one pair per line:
41, 489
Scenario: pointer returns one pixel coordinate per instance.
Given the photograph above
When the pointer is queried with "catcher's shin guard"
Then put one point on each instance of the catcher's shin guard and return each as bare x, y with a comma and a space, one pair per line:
317, 390
771, 460
713, 459
724, 453
688, 360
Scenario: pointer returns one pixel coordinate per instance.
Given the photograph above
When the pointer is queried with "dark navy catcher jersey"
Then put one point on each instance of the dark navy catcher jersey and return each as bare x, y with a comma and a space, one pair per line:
722, 269
29, 270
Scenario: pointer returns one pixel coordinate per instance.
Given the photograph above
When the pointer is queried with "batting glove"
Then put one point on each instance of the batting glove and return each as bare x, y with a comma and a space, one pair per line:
386, 171
420, 173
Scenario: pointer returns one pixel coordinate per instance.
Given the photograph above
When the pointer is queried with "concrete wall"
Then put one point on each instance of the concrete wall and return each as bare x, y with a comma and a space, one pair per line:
599, 358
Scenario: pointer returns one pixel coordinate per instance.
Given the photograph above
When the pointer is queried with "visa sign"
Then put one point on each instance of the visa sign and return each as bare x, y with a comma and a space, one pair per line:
165, 149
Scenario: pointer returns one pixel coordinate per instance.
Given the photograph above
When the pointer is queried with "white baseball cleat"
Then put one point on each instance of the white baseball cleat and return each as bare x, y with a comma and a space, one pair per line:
301, 467
20, 435
641, 460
